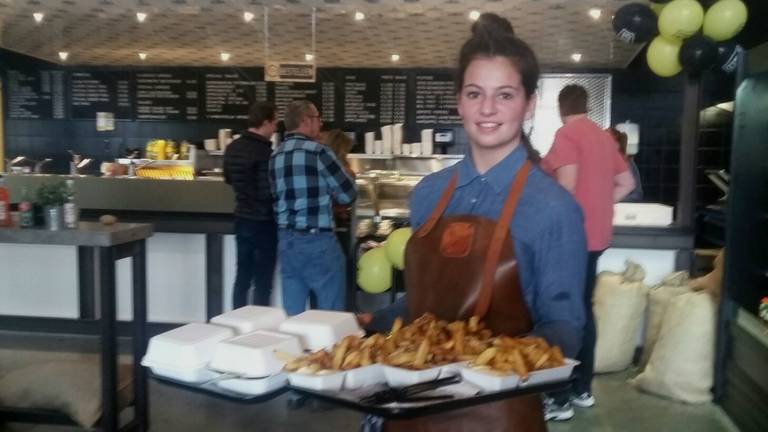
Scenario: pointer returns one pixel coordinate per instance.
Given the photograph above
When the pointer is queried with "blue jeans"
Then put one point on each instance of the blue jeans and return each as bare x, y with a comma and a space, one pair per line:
256, 256
311, 262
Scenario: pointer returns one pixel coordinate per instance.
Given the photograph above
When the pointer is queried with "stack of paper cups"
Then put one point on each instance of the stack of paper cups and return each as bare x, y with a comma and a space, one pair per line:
406, 149
427, 143
378, 147
397, 138
370, 137
225, 136
416, 149
386, 139
211, 144
275, 138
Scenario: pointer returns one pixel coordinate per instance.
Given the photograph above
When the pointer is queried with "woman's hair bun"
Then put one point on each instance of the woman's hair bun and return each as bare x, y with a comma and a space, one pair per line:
490, 24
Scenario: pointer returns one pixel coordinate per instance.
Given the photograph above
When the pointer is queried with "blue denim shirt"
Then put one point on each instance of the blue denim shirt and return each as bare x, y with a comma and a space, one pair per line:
548, 235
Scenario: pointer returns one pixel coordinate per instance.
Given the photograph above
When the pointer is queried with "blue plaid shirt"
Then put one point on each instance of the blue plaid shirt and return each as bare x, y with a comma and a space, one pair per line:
305, 178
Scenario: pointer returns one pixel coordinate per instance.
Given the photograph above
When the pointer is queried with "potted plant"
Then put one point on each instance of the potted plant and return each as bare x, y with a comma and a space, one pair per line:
51, 197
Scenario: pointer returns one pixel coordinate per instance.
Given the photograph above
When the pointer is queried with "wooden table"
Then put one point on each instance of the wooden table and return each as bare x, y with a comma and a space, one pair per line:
108, 243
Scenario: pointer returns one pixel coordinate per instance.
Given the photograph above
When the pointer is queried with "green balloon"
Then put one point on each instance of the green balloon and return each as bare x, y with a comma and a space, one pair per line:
681, 19
725, 19
374, 271
395, 246
664, 56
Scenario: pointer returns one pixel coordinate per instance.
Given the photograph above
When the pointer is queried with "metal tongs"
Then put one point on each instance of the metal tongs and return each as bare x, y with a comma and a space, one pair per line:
408, 394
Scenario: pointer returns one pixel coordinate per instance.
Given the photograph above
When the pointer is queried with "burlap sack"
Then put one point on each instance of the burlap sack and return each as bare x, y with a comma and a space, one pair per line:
619, 305
681, 366
673, 285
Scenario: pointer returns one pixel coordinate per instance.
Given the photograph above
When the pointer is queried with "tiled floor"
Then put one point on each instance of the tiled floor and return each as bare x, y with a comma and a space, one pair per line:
620, 408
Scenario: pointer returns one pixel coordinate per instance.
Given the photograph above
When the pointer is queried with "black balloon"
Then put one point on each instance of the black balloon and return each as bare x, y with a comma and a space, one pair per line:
635, 23
698, 54
728, 53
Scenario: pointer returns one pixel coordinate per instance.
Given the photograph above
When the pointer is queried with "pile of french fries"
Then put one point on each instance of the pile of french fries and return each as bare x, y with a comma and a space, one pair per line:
519, 356
428, 342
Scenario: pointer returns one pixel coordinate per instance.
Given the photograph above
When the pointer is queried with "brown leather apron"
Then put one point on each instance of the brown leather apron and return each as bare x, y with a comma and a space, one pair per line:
463, 265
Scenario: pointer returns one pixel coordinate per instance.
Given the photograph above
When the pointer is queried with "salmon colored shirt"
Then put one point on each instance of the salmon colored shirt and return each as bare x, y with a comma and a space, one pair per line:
581, 142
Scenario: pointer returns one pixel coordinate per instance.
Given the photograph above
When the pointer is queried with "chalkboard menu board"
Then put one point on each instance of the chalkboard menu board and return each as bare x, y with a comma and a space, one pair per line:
35, 94
229, 95
93, 92
435, 100
393, 95
323, 95
167, 96
361, 100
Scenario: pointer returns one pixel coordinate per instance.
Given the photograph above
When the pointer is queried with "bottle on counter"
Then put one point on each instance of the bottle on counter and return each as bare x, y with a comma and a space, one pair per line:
26, 209
71, 212
5, 205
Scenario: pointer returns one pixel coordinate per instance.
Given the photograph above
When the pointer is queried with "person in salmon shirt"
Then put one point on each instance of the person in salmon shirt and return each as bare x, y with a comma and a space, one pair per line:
586, 161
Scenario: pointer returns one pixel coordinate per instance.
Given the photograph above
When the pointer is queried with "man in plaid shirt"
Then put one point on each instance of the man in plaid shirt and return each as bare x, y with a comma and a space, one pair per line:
306, 177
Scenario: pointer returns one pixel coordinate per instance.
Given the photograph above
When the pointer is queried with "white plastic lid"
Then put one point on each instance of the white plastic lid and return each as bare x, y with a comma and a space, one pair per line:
253, 355
251, 318
319, 329
187, 347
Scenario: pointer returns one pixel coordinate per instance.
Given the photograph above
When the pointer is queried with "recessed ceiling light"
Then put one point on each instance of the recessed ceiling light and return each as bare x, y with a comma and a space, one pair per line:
595, 13
395, 57
248, 16
576, 57
63, 55
38, 16
474, 15
225, 56
141, 17
143, 55
309, 57
359, 16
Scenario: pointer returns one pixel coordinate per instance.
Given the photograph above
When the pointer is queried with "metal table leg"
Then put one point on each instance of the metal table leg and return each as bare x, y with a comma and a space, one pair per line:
141, 397
109, 418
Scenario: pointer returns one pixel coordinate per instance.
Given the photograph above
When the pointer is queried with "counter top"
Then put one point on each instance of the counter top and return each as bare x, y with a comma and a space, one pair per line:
88, 234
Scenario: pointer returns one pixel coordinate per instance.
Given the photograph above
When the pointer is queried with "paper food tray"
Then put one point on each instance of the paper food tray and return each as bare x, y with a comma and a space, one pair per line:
329, 382
254, 387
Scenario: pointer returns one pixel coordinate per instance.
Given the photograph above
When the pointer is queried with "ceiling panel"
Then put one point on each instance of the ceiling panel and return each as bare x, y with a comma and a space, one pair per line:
425, 33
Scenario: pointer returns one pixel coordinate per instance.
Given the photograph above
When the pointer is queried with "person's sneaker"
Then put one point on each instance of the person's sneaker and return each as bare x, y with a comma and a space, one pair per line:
556, 412
584, 400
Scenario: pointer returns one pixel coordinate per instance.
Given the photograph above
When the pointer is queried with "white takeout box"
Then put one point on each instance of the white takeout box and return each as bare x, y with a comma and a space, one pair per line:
642, 214
254, 387
488, 380
318, 329
400, 377
251, 318
365, 376
331, 381
183, 353
253, 354
561, 373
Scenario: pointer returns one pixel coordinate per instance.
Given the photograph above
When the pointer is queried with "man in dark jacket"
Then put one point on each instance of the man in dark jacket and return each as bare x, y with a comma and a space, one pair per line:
246, 168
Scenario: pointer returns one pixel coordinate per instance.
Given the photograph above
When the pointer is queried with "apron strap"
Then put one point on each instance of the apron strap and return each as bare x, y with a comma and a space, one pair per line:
497, 241
445, 198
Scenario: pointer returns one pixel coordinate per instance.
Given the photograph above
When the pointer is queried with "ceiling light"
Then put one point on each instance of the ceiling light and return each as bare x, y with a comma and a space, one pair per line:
38, 16
63, 55
309, 57
248, 16
595, 13
576, 57
143, 55
395, 57
359, 16
141, 17
474, 15
225, 56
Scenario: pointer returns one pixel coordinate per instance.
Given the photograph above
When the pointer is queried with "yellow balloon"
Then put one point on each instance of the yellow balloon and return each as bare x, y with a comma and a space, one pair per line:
395, 246
664, 56
657, 7
681, 19
725, 19
374, 271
